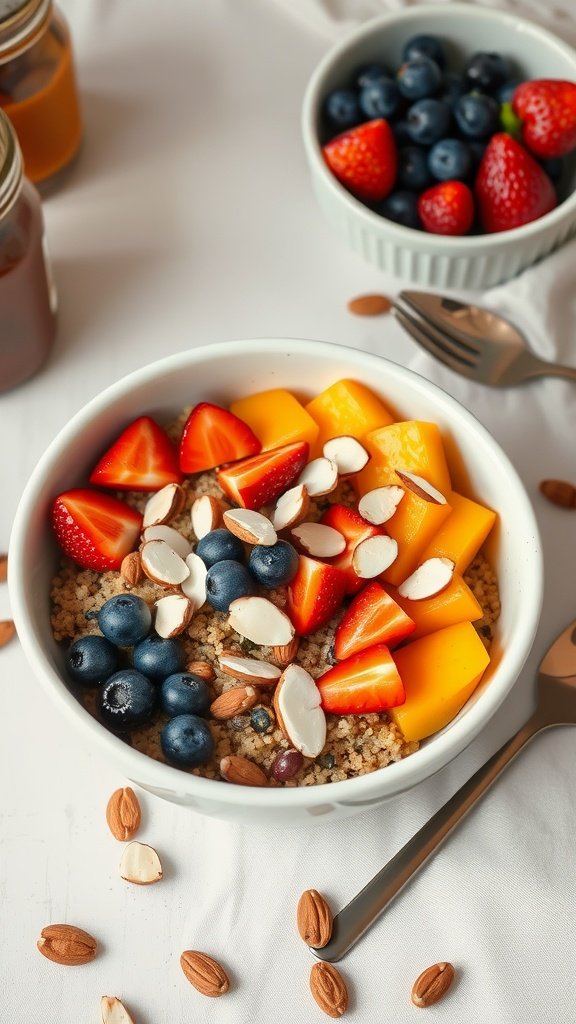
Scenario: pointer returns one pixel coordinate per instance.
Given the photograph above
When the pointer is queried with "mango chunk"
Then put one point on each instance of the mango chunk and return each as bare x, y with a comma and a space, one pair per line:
413, 525
439, 671
408, 444
276, 417
461, 536
456, 603
346, 407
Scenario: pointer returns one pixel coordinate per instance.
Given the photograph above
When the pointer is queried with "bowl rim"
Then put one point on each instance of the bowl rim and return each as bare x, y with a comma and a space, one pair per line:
367, 789
444, 244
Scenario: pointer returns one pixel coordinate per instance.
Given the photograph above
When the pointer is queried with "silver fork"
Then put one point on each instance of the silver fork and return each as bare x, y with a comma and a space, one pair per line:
472, 341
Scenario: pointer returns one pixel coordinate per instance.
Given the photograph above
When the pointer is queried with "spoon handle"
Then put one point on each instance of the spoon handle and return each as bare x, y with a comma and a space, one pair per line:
351, 923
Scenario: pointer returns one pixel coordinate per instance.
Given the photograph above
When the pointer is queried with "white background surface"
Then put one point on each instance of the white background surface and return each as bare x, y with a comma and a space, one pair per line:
189, 220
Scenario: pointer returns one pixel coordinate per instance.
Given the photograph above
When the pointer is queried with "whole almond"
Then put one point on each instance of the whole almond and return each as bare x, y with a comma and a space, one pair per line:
432, 984
559, 492
202, 669
204, 973
233, 702
241, 771
314, 919
369, 305
65, 944
131, 569
284, 654
3, 567
123, 814
7, 631
328, 988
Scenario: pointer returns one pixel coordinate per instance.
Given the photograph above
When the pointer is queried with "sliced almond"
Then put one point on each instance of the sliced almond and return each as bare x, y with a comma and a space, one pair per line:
249, 670
284, 654
173, 538
162, 565
251, 527
242, 771
202, 669
421, 487
319, 540
113, 1011
349, 455
194, 586
3, 567
173, 614
379, 505
319, 477
7, 631
140, 864
291, 507
164, 505
206, 515
298, 711
260, 621
373, 555
428, 579
233, 702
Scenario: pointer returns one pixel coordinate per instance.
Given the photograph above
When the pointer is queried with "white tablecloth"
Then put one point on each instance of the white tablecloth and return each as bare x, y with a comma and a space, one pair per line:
188, 220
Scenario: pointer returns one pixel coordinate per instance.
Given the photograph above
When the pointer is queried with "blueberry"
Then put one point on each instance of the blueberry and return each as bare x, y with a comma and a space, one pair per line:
401, 133
477, 115
487, 71
261, 720
227, 580
275, 565
368, 74
428, 121
402, 208
342, 110
379, 99
91, 659
505, 93
326, 761
158, 657
419, 78
125, 620
127, 699
424, 46
219, 545
453, 87
186, 740
183, 693
450, 159
413, 169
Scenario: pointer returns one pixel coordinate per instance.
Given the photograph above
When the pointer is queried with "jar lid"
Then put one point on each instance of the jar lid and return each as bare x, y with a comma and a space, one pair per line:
22, 22
11, 166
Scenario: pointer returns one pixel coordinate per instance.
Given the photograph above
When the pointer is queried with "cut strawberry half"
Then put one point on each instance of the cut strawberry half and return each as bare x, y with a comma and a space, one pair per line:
314, 595
142, 458
354, 528
213, 436
261, 479
95, 530
365, 683
373, 617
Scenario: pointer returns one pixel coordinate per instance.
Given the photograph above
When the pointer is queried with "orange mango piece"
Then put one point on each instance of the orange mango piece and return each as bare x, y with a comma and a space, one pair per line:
408, 444
346, 407
463, 533
413, 525
276, 417
456, 603
439, 671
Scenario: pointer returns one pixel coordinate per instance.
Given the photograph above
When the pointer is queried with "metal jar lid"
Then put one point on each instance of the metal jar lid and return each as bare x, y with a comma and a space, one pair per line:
22, 23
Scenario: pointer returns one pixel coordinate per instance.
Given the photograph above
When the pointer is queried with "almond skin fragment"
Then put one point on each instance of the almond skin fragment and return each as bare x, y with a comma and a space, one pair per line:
204, 973
241, 771
432, 984
7, 631
123, 814
314, 918
131, 569
559, 492
67, 945
284, 654
233, 702
3, 568
369, 305
328, 988
202, 669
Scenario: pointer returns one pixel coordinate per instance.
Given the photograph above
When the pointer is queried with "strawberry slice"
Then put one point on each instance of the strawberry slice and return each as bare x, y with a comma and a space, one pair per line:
261, 479
142, 458
373, 617
314, 595
95, 530
364, 159
354, 528
212, 436
367, 682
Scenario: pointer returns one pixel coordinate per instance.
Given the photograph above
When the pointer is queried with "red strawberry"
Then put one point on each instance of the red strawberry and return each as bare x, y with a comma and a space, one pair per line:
364, 160
447, 208
366, 682
547, 109
511, 188
212, 436
373, 617
261, 479
354, 528
141, 459
314, 595
94, 529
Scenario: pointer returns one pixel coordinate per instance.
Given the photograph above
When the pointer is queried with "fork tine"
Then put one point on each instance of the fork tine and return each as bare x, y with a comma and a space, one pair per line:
447, 342
471, 346
417, 330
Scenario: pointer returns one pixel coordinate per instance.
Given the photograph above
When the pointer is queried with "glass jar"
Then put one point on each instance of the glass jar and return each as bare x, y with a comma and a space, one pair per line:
38, 87
27, 295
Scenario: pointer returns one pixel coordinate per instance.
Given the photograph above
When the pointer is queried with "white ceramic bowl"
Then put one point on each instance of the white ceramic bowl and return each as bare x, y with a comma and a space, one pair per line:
477, 261
220, 373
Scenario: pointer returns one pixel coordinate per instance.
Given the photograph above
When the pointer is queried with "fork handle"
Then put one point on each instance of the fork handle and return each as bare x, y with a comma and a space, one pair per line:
544, 369
355, 918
